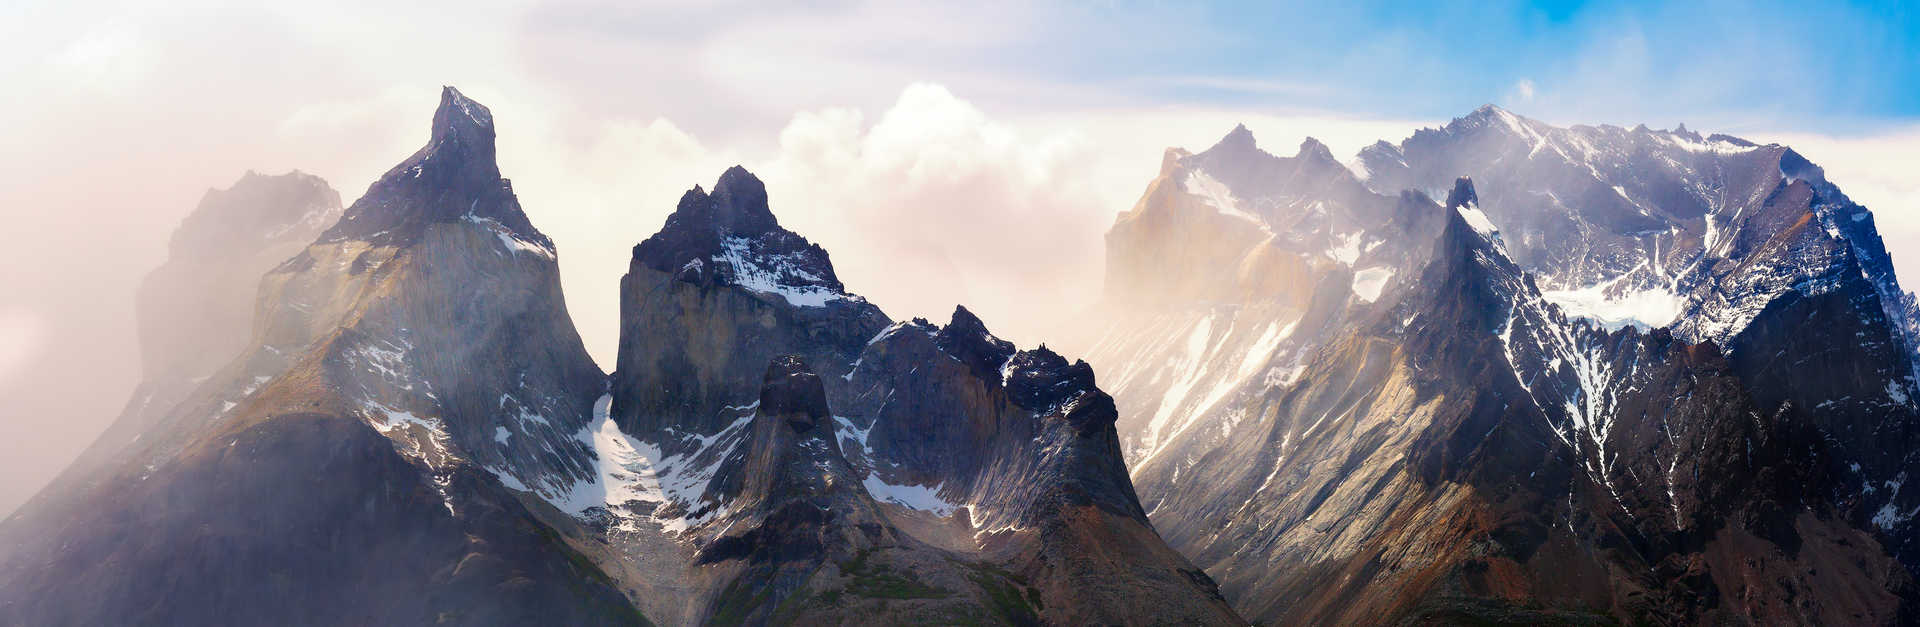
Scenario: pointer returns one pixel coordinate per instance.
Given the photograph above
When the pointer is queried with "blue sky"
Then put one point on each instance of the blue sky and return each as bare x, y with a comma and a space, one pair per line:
1816, 67
1833, 67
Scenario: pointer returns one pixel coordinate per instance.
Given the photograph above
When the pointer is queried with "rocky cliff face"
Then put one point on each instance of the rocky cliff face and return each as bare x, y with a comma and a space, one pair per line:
774, 448
364, 435
1721, 240
1420, 424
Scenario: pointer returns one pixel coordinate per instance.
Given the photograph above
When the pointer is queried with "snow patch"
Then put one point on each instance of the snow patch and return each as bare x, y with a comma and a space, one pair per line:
1215, 194
1478, 220
630, 473
1368, 283
511, 242
1346, 249
775, 275
926, 499
1646, 309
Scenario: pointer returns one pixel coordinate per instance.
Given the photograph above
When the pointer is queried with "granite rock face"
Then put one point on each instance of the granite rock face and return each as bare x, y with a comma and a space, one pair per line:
823, 463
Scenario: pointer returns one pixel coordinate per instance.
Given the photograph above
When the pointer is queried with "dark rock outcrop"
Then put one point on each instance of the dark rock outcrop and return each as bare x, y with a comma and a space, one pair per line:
722, 289
992, 475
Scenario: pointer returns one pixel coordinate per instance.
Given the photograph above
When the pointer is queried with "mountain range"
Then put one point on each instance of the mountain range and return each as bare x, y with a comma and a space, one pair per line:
414, 433
1510, 372
1501, 372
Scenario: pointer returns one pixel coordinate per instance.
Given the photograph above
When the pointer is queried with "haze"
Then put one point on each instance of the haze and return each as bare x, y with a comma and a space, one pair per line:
967, 154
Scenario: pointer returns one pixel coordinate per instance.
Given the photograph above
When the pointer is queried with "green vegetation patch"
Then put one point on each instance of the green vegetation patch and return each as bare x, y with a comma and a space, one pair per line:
878, 581
1010, 596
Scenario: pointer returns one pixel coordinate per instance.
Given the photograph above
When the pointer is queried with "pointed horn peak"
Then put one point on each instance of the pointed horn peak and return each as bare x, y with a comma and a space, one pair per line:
1237, 139
740, 203
460, 117
965, 319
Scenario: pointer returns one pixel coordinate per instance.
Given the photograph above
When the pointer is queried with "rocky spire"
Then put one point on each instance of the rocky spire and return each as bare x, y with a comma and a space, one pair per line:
1237, 140
453, 177
1462, 194
464, 126
740, 204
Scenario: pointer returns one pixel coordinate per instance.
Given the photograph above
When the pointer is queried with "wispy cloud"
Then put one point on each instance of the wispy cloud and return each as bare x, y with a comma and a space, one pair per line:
1241, 85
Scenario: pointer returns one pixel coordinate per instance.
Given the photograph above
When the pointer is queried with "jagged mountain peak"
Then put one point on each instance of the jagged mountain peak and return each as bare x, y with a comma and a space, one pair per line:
740, 203
461, 120
1240, 138
1638, 287
737, 206
1490, 116
967, 339
730, 237
1237, 145
454, 177
1045, 382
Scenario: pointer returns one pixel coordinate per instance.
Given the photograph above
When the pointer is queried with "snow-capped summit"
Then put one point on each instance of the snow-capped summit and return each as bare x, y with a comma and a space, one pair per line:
746, 368
730, 237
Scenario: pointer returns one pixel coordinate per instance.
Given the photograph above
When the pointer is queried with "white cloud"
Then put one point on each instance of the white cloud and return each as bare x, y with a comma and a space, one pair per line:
936, 204
930, 203
104, 58
1521, 93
